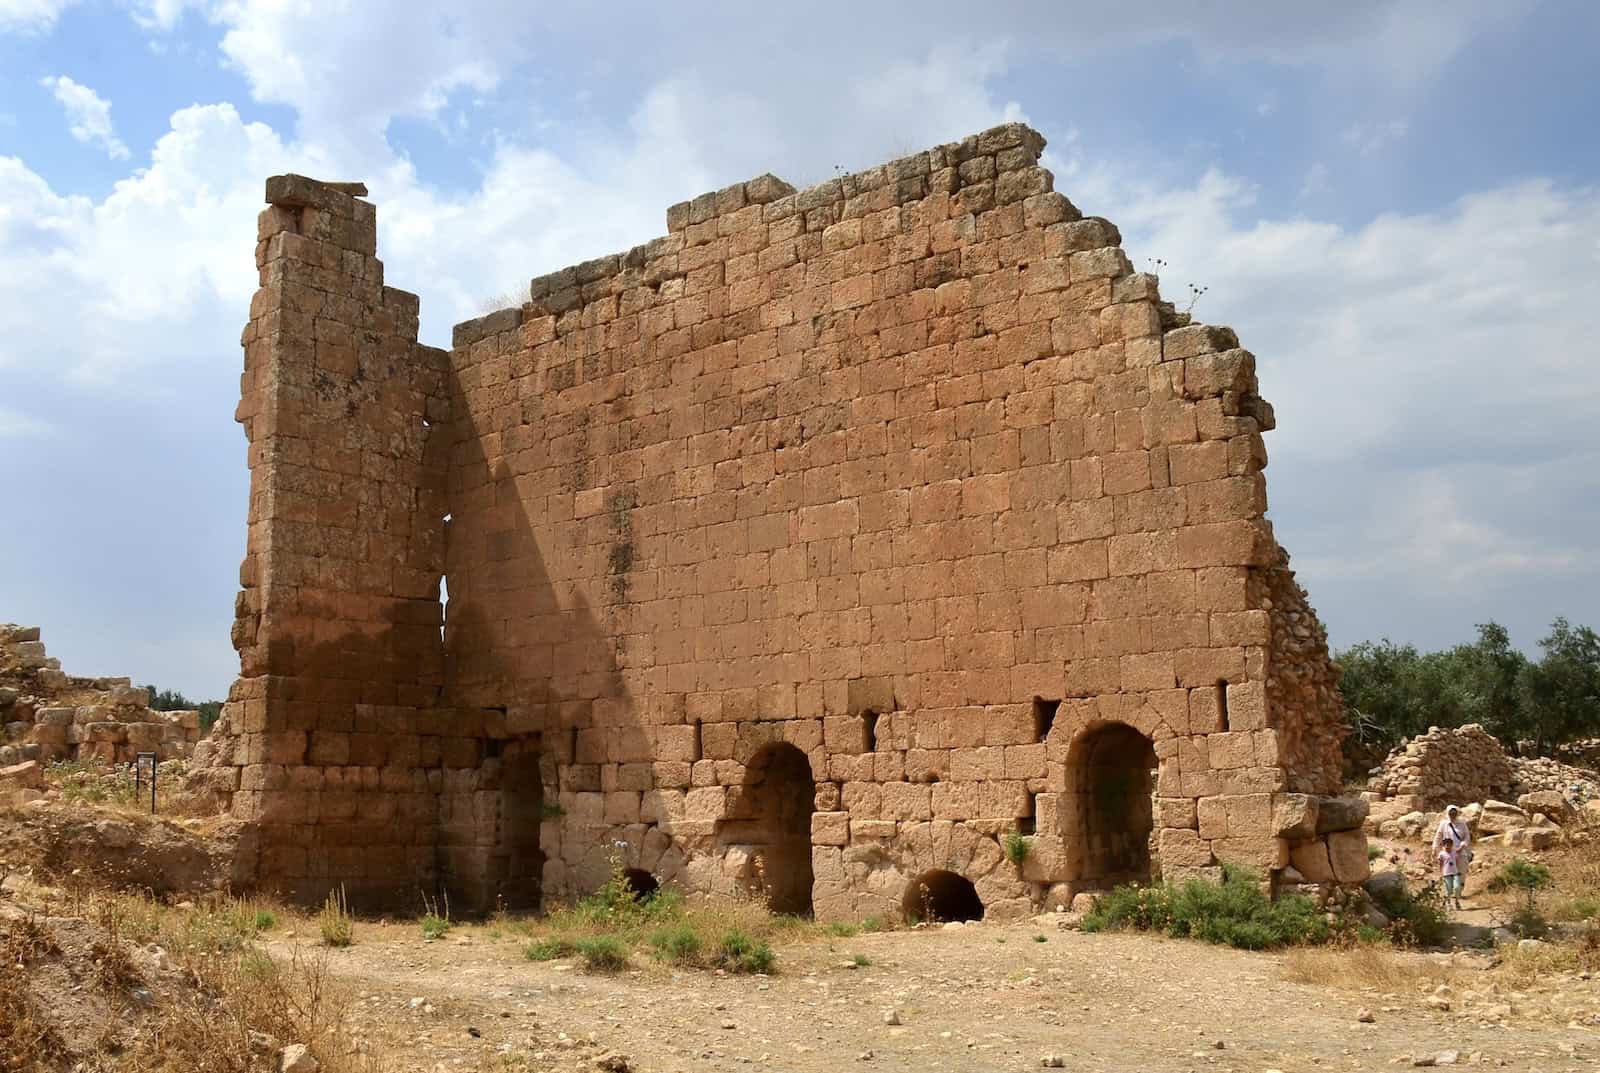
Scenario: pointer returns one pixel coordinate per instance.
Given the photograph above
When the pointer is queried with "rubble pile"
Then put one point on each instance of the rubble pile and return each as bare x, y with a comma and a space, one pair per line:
47, 715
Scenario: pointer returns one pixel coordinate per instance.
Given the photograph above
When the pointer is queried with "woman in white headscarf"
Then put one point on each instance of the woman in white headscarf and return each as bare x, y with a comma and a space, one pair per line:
1453, 827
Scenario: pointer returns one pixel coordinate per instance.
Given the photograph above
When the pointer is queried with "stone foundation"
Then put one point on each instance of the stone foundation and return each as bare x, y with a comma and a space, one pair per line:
809, 549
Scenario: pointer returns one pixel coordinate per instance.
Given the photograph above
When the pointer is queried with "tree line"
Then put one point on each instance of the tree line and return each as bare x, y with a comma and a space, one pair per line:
1532, 705
170, 700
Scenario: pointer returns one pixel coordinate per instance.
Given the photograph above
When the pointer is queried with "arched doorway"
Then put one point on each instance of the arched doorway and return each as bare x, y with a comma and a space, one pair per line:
772, 818
939, 896
1112, 773
518, 864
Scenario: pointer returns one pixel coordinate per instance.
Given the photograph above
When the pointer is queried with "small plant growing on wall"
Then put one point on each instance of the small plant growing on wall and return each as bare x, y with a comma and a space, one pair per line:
1017, 847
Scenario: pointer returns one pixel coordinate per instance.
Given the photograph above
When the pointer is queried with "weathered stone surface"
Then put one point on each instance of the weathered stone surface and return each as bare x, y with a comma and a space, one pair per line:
764, 563
1341, 814
1347, 854
1310, 859
1499, 817
1550, 802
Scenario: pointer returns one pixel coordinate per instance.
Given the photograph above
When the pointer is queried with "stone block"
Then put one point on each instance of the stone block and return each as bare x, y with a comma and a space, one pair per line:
830, 828
1294, 816
1347, 856
1183, 849
1345, 813
1311, 860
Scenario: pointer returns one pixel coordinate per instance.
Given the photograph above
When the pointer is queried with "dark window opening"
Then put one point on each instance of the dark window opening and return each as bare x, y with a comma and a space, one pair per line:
699, 741
1029, 824
869, 721
1222, 702
1044, 717
641, 884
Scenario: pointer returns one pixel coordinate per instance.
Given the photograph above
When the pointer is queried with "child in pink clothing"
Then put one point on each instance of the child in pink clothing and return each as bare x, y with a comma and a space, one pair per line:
1450, 869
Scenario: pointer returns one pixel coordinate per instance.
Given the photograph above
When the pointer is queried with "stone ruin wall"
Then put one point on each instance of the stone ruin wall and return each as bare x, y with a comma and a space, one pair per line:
47, 715
904, 489
1466, 765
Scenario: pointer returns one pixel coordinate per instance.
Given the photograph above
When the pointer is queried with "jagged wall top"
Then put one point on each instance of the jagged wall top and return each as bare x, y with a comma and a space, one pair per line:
1003, 156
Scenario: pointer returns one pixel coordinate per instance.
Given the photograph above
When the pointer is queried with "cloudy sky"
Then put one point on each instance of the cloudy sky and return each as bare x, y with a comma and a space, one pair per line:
1397, 205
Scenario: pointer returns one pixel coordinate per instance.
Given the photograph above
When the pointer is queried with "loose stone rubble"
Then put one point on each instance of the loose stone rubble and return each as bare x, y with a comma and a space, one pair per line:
49, 715
811, 548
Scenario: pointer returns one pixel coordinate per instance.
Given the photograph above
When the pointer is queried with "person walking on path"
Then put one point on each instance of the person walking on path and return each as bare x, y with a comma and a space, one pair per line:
1453, 828
1450, 871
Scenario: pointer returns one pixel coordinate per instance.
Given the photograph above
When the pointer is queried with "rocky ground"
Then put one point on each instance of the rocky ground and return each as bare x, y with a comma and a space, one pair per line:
970, 997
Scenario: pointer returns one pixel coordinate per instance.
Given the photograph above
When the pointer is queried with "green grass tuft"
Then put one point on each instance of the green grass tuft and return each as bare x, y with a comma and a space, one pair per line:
738, 952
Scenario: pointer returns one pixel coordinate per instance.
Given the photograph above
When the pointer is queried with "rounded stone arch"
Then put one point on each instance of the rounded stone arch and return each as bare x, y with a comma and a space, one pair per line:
1108, 811
939, 896
769, 819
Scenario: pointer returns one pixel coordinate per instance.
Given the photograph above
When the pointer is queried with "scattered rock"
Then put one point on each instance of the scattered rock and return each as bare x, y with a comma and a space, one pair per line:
1365, 1016
297, 1059
1053, 1061
891, 1017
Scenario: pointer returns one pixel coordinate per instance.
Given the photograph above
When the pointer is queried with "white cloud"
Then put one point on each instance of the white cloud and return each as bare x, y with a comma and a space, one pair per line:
1370, 139
88, 114
30, 16
150, 273
16, 425
1428, 368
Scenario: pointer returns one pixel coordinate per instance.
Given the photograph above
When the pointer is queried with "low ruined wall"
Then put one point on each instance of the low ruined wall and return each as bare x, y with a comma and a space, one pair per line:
47, 715
1447, 766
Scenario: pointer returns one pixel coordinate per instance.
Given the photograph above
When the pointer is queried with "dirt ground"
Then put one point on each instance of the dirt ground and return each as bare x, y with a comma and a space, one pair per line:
974, 997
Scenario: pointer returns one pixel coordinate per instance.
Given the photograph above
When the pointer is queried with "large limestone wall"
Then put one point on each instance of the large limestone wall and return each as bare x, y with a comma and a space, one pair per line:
869, 469
815, 545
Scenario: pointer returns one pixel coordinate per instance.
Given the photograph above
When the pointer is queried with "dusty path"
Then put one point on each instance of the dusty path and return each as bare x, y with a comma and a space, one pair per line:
984, 997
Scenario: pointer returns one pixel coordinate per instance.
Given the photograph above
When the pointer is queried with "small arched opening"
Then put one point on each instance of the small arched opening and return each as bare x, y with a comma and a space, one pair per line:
1112, 778
940, 896
771, 817
641, 884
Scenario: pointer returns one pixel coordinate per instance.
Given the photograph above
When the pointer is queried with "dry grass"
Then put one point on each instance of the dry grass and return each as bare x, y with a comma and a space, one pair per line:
27, 1041
1361, 968
209, 1014
1523, 969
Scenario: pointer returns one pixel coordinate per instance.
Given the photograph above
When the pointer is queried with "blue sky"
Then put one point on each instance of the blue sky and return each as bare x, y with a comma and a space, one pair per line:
1395, 204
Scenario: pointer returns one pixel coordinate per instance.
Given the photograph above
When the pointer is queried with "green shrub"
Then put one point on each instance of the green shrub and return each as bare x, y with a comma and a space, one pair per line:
1582, 907
1528, 922
547, 949
739, 953
841, 930
678, 943
1415, 919
433, 925
601, 953
1234, 912
1520, 875
861, 961
1527, 878
874, 923
1017, 847
266, 920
